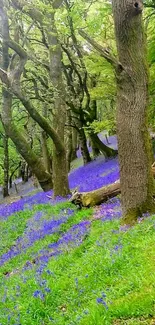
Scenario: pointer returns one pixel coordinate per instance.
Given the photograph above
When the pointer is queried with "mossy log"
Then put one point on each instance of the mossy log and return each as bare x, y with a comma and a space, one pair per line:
89, 199
96, 197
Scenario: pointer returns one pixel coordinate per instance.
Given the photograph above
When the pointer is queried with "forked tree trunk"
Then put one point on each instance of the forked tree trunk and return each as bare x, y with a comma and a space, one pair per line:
136, 179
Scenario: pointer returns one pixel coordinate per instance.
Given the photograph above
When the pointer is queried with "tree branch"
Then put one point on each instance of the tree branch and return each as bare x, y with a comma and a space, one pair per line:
101, 50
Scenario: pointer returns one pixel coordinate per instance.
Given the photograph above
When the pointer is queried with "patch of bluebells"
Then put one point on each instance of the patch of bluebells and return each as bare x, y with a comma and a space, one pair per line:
109, 210
37, 228
94, 175
28, 202
90, 177
72, 238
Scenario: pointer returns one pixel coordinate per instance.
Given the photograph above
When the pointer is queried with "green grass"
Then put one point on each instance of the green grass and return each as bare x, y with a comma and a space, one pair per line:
118, 266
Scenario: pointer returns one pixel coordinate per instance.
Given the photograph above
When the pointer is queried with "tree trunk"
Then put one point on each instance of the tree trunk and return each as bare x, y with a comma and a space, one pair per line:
45, 152
60, 173
83, 145
97, 143
12, 174
136, 179
21, 144
68, 140
6, 166
74, 143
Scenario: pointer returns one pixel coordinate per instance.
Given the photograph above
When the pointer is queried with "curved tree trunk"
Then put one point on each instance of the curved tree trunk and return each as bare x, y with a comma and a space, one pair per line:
20, 142
108, 152
132, 101
22, 146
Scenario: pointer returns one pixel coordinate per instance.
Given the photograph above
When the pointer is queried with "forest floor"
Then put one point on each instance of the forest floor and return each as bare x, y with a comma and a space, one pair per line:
64, 266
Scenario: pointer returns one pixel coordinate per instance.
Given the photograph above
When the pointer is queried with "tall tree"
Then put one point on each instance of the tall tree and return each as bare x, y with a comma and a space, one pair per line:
11, 131
131, 70
13, 82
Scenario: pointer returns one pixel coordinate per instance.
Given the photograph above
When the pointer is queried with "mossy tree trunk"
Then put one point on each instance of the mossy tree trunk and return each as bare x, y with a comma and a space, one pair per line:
68, 140
132, 102
60, 172
11, 131
44, 178
6, 165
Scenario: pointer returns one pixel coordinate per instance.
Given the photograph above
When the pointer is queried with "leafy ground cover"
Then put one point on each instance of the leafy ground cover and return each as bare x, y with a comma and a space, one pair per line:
64, 266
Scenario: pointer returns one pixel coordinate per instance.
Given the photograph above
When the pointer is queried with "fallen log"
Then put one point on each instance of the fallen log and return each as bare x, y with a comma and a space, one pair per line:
89, 199
96, 197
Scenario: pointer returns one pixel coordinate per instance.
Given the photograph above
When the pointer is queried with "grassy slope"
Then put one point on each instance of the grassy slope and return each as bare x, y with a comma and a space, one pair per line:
100, 274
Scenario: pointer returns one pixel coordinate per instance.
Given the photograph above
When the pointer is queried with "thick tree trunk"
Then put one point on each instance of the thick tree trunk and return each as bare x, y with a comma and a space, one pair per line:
132, 101
60, 173
6, 166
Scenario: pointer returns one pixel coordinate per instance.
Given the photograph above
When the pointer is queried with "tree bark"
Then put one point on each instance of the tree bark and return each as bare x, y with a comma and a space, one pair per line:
90, 199
74, 143
83, 145
134, 151
21, 144
60, 173
6, 165
45, 152
68, 140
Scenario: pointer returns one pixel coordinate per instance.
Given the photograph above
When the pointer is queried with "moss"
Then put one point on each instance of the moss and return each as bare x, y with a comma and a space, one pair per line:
131, 216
